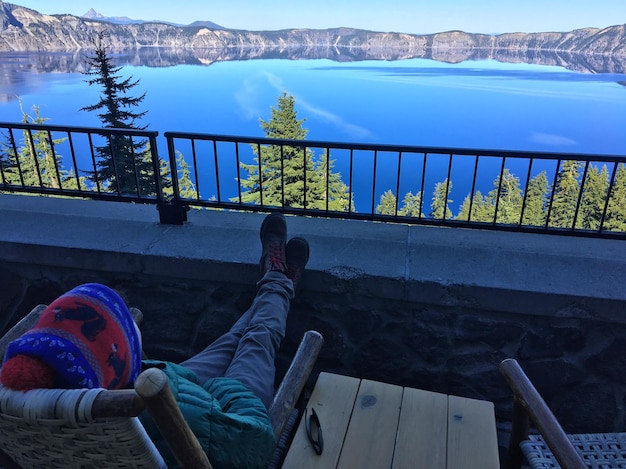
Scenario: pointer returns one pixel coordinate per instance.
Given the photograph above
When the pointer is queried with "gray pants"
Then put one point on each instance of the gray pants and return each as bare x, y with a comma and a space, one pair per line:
247, 352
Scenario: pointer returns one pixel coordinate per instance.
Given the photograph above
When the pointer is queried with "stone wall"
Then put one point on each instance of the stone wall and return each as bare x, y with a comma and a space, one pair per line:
431, 308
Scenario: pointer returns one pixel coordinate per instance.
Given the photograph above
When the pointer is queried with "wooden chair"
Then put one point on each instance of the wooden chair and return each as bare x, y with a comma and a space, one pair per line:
98, 428
553, 448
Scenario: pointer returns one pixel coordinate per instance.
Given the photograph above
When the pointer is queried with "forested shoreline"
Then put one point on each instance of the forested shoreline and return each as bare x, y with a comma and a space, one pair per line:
578, 198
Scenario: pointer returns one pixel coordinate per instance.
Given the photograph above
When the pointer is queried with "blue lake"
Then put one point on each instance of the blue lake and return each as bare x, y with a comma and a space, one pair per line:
478, 105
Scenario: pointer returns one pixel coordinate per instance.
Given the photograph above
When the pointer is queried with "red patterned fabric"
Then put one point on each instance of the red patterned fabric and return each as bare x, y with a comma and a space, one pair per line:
84, 339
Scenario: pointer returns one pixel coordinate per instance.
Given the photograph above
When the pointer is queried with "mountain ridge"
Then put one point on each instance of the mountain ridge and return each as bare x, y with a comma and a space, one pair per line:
94, 15
23, 29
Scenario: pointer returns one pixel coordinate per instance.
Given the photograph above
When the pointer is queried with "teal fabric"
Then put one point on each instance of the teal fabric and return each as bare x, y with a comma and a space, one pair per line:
230, 422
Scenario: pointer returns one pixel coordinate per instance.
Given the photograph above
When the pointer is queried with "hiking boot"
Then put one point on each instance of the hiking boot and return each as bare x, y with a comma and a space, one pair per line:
297, 251
273, 237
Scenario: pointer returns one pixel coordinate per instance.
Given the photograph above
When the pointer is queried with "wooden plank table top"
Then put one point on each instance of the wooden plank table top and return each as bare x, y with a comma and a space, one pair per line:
368, 424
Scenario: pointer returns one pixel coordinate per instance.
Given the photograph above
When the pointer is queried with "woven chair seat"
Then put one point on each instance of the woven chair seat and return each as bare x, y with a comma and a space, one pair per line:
598, 450
48, 428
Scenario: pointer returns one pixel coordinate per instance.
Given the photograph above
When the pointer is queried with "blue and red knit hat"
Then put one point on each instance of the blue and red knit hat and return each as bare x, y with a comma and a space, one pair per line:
84, 339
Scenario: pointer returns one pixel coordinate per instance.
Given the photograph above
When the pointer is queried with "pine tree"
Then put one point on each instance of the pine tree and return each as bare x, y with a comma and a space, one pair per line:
124, 162
186, 187
616, 210
507, 195
288, 175
281, 178
441, 201
536, 200
387, 204
566, 193
29, 157
328, 187
464, 210
8, 161
593, 200
37, 163
482, 210
411, 205
37, 154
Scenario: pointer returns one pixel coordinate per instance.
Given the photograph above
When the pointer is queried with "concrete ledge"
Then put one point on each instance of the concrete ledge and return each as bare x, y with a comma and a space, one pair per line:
495, 271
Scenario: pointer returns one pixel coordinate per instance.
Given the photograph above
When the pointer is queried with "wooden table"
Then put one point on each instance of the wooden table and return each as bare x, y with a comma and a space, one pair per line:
368, 424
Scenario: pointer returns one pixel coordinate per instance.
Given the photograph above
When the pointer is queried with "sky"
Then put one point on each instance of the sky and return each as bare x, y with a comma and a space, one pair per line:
407, 16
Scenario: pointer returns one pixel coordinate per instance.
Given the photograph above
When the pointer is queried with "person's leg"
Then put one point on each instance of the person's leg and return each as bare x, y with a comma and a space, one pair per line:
247, 352
253, 363
215, 359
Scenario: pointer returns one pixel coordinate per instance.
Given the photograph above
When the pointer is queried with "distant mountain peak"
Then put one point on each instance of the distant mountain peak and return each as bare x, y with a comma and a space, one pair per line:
94, 15
205, 24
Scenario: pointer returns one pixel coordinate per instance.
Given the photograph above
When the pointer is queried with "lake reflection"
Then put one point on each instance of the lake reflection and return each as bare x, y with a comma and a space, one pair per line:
473, 104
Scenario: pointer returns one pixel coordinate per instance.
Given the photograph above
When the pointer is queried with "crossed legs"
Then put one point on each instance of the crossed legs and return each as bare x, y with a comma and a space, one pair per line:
248, 350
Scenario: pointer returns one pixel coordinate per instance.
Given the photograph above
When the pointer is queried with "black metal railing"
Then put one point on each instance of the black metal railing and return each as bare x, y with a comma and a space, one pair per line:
97, 163
570, 194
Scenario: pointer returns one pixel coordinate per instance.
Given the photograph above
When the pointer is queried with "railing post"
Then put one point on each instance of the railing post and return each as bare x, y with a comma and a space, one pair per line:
172, 213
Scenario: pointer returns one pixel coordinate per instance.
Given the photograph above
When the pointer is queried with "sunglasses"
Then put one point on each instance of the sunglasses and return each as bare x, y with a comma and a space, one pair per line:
315, 437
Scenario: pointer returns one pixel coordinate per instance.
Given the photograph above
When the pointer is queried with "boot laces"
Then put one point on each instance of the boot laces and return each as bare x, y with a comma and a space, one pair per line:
276, 257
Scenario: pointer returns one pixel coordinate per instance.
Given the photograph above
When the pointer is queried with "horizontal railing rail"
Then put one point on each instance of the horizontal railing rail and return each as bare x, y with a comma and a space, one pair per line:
557, 193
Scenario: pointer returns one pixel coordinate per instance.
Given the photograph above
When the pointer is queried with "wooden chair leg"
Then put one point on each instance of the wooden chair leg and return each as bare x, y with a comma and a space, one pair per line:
519, 432
292, 384
530, 401
153, 388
